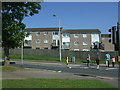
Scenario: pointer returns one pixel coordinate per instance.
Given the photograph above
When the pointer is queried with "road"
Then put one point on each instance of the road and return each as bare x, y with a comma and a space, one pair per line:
78, 69
42, 69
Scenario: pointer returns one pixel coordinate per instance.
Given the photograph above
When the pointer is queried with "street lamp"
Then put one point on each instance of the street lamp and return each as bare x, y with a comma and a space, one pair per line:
21, 53
59, 37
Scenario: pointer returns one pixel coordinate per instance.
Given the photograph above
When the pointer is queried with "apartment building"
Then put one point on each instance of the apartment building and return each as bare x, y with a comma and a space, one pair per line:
80, 39
71, 39
43, 38
106, 44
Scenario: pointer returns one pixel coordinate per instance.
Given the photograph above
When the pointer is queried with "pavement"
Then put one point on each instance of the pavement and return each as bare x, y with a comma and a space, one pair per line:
43, 73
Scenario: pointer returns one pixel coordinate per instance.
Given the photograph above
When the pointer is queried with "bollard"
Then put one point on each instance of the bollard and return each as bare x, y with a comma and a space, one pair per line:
67, 61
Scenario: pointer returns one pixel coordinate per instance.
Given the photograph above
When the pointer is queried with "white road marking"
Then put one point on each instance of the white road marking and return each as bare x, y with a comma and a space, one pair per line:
27, 68
59, 71
110, 68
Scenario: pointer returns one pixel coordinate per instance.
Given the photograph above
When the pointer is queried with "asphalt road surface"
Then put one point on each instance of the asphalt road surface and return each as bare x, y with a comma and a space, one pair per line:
44, 69
76, 69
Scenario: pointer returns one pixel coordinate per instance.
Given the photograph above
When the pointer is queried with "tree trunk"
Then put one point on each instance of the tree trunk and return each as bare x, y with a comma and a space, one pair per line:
6, 56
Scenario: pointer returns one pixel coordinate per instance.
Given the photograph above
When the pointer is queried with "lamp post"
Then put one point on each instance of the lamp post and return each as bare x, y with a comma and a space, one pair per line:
59, 37
22, 54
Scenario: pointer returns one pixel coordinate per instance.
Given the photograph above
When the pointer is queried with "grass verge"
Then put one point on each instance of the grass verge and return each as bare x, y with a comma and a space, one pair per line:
54, 83
10, 68
53, 59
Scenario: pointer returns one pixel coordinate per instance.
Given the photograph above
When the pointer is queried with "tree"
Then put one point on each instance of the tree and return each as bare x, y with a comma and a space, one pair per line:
13, 32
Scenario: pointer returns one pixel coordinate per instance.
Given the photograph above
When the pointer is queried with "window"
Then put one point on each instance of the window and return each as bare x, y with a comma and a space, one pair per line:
55, 33
95, 35
66, 43
76, 35
37, 48
37, 33
75, 43
66, 35
45, 47
84, 35
29, 42
54, 43
85, 43
45, 33
38, 41
45, 41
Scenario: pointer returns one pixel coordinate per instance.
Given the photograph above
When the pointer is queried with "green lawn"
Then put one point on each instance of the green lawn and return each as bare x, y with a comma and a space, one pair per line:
35, 58
54, 83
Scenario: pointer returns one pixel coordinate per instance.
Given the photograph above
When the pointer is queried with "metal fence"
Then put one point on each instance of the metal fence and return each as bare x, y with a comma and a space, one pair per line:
65, 53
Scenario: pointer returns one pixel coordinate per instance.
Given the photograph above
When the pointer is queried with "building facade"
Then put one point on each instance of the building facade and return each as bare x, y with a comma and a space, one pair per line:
71, 39
82, 39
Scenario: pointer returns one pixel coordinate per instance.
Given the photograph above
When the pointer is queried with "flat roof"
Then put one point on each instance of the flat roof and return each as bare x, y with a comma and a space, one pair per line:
83, 31
43, 29
71, 31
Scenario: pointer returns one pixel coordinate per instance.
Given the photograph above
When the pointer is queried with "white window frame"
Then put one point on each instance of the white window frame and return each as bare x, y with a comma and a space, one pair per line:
45, 41
85, 44
67, 35
75, 43
85, 35
76, 35
37, 33
45, 33
54, 33
37, 41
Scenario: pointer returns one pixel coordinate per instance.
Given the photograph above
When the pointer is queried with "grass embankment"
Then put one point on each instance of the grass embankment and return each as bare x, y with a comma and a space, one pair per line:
54, 83
10, 68
50, 59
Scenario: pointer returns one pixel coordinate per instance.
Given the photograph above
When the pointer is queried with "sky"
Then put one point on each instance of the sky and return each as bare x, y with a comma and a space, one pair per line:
75, 15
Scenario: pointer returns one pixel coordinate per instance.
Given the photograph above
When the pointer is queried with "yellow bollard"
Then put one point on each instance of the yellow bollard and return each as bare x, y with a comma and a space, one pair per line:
118, 58
67, 60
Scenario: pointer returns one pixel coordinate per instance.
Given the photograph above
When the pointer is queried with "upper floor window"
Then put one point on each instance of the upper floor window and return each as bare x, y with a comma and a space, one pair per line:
45, 33
76, 35
95, 35
85, 43
45, 41
66, 35
76, 43
66, 43
84, 35
38, 41
55, 33
37, 33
